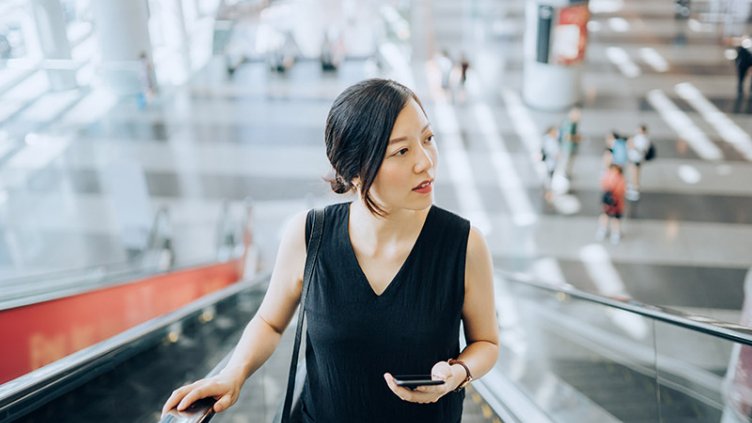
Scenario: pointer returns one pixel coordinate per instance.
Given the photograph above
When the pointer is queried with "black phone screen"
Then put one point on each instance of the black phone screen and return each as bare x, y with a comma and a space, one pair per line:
413, 381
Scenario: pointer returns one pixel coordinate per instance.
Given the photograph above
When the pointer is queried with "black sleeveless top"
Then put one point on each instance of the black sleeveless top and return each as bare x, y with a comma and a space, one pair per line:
355, 336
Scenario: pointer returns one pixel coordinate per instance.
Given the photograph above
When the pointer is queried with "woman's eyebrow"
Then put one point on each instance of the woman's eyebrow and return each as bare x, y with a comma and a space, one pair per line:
394, 140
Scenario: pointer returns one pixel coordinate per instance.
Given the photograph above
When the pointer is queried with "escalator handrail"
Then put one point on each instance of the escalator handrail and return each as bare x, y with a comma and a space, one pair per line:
707, 325
202, 410
57, 374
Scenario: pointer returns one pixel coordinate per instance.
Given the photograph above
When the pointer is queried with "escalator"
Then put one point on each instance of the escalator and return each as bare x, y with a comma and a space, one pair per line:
81, 344
573, 356
132, 378
566, 356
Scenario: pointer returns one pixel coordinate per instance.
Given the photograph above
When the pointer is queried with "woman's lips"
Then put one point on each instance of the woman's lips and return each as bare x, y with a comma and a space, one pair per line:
425, 187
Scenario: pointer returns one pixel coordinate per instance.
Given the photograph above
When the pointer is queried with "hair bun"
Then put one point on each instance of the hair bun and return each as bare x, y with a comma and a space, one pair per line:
339, 185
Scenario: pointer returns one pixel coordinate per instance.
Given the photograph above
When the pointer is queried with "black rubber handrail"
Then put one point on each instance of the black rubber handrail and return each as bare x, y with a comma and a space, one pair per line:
707, 325
200, 411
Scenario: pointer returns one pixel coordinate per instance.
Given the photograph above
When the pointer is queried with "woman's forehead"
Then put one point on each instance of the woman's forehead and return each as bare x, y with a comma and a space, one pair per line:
410, 119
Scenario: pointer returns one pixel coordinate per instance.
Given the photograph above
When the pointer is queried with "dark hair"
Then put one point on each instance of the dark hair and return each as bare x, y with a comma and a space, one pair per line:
643, 128
357, 133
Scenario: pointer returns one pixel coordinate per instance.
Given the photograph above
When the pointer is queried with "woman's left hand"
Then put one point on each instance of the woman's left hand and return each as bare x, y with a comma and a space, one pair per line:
429, 394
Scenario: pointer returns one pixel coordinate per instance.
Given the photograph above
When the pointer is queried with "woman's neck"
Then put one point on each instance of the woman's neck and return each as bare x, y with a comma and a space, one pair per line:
375, 231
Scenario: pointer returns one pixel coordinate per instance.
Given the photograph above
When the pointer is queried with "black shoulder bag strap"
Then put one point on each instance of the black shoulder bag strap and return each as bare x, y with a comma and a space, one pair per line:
313, 250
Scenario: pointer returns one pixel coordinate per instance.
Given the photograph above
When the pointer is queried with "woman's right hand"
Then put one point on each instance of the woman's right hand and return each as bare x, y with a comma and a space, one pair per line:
224, 387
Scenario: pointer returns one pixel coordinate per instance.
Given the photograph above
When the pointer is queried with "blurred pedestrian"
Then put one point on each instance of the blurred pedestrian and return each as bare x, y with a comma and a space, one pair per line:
569, 138
639, 146
617, 150
444, 62
148, 80
737, 384
464, 67
743, 61
550, 158
5, 48
612, 202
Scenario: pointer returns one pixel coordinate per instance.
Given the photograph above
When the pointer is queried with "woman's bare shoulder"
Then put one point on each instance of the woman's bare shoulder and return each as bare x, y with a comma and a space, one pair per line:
476, 244
293, 236
478, 262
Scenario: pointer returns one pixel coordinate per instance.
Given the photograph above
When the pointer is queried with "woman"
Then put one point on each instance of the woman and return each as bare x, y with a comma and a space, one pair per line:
395, 276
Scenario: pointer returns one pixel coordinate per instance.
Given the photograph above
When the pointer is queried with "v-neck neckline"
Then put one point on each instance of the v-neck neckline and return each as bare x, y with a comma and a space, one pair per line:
396, 278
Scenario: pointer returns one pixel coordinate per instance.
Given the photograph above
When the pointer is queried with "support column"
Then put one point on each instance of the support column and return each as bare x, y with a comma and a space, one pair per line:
123, 30
421, 31
53, 42
175, 41
554, 51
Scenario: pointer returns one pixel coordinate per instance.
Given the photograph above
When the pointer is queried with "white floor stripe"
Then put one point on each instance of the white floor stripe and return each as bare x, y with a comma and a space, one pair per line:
654, 59
726, 128
461, 173
92, 108
683, 125
621, 59
522, 122
598, 264
509, 181
619, 24
524, 126
453, 152
48, 106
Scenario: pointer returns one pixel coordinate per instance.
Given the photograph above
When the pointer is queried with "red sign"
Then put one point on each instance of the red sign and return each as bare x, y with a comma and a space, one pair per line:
38, 334
570, 35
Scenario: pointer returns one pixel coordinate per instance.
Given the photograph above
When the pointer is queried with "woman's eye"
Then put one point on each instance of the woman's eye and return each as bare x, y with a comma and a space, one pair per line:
430, 138
402, 152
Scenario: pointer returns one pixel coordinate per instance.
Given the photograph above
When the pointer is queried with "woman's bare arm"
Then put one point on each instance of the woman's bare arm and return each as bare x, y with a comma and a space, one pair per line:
262, 334
479, 310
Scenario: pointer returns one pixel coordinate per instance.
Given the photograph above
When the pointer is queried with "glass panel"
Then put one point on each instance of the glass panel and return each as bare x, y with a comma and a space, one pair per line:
702, 377
576, 360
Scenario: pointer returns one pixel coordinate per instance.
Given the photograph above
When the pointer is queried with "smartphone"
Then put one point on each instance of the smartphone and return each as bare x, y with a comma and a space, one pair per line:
413, 381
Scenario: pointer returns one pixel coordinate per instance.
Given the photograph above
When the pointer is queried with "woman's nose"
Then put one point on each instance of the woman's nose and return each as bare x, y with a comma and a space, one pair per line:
425, 161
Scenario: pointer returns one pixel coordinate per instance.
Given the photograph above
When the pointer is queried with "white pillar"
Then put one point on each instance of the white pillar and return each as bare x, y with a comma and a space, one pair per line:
53, 42
421, 33
123, 30
555, 40
175, 41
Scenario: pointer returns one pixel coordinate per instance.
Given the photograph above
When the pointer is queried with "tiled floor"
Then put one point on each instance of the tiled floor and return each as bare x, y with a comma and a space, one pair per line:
687, 242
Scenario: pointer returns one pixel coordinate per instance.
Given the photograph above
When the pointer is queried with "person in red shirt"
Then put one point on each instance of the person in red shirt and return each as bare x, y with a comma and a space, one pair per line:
614, 187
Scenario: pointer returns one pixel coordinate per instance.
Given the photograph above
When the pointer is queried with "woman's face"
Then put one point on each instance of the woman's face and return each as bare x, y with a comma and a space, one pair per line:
405, 178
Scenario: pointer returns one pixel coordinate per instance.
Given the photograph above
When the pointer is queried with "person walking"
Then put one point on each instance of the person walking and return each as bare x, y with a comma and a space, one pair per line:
743, 61
550, 158
148, 80
444, 62
617, 150
395, 278
638, 146
464, 67
612, 202
569, 138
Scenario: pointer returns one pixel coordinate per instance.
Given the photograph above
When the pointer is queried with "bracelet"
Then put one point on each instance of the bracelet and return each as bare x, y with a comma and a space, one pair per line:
469, 377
